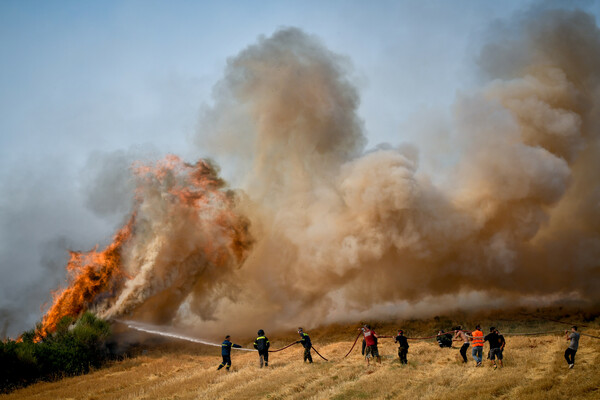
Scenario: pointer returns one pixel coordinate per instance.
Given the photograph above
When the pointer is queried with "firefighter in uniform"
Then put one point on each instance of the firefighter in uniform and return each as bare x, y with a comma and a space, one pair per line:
306, 343
262, 345
226, 353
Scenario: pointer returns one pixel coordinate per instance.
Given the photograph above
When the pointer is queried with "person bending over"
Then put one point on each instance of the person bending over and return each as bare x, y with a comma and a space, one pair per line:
306, 343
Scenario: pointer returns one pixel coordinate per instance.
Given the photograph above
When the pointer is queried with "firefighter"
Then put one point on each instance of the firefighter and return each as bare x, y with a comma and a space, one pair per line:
402, 346
262, 345
306, 343
226, 353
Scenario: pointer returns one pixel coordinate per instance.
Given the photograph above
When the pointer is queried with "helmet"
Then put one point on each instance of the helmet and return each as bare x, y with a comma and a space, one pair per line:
261, 332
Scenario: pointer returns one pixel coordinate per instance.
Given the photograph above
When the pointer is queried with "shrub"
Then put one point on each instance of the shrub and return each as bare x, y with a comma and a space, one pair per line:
73, 348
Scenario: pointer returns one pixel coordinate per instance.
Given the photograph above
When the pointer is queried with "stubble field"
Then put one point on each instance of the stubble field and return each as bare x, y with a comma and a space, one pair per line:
534, 369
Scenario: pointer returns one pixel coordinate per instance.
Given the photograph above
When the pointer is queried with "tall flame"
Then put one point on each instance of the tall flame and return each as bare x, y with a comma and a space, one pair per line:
178, 206
90, 273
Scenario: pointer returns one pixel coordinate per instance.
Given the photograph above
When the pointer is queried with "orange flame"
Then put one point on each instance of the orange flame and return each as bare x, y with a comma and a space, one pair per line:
90, 274
97, 276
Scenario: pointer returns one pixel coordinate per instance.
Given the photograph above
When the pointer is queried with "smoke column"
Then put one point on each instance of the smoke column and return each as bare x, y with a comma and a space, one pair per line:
341, 231
324, 229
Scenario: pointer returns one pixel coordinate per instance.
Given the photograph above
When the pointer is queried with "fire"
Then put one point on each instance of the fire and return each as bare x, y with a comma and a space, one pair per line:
170, 194
90, 274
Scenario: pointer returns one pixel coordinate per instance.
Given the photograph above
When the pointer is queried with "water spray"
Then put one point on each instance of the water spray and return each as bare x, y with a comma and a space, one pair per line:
153, 329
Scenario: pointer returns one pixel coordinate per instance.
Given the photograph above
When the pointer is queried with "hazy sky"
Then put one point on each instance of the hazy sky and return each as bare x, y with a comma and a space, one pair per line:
89, 84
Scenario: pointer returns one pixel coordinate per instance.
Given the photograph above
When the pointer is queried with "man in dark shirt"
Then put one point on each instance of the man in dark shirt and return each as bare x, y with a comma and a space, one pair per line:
402, 346
226, 353
493, 338
262, 345
573, 336
306, 343
502, 341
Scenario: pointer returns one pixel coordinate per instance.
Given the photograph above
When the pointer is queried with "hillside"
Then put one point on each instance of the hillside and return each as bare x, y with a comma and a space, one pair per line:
535, 368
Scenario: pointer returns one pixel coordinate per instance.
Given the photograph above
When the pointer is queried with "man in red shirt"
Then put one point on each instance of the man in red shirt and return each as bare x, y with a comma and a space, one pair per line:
371, 342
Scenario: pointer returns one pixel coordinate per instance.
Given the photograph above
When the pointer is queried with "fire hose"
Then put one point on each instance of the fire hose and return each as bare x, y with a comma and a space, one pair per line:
150, 329
354, 344
467, 334
390, 337
154, 330
553, 320
291, 344
319, 354
283, 348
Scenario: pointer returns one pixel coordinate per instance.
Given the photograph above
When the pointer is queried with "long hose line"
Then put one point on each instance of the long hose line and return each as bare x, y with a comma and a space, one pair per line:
283, 348
354, 344
562, 322
553, 320
291, 344
592, 336
313, 347
431, 337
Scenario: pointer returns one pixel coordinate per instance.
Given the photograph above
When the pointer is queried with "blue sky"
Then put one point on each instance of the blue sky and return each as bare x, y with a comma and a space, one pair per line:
79, 79
105, 75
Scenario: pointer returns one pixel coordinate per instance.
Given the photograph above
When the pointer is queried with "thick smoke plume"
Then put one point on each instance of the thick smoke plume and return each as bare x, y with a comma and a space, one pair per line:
339, 232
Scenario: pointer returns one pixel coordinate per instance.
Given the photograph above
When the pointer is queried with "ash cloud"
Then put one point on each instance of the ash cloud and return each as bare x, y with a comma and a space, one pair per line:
340, 230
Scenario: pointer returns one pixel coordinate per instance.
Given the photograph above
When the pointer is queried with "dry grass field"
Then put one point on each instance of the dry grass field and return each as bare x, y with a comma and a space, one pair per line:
534, 369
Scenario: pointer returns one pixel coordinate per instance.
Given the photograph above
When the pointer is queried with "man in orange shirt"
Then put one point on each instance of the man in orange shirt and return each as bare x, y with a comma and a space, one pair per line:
477, 341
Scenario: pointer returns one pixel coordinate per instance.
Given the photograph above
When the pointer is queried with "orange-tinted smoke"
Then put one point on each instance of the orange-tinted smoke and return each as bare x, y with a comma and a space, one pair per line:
175, 201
